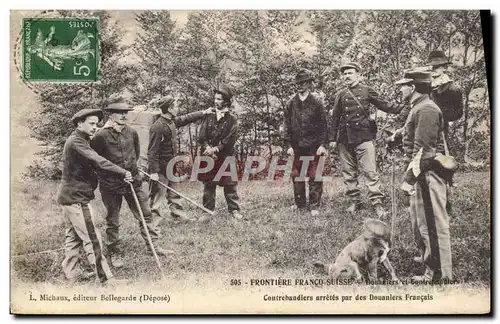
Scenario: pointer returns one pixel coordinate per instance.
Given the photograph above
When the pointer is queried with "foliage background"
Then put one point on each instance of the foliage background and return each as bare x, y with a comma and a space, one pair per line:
258, 53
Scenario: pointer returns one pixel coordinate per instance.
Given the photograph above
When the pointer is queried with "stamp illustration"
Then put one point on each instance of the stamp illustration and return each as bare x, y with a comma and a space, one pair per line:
64, 50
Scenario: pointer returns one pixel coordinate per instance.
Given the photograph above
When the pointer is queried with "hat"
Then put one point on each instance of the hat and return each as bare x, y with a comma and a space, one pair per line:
223, 89
437, 58
304, 75
82, 114
350, 65
165, 102
415, 76
117, 105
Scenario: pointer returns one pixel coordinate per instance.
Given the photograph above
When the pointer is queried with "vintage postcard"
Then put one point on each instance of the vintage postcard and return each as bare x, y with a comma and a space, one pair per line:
250, 162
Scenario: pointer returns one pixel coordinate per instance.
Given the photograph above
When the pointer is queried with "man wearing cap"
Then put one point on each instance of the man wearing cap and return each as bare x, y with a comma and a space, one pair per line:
162, 148
217, 137
445, 93
119, 143
353, 132
422, 143
305, 131
79, 180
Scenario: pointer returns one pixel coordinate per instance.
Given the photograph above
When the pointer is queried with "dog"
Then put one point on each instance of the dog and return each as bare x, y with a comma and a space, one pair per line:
360, 258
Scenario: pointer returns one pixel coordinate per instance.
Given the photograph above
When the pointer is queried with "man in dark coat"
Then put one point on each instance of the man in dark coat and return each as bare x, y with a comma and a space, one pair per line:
353, 131
217, 137
119, 143
445, 93
161, 150
305, 131
422, 143
79, 180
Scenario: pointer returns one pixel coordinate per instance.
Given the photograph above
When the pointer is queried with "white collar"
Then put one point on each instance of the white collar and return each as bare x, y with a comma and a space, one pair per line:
303, 97
220, 113
115, 126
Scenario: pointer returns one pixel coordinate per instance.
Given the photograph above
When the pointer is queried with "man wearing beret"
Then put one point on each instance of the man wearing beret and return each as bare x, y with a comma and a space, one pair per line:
217, 137
353, 132
305, 131
162, 148
79, 180
119, 143
422, 143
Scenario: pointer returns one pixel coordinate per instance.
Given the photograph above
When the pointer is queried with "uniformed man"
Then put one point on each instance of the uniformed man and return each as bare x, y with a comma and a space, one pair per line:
422, 143
79, 180
353, 132
305, 131
162, 148
217, 137
119, 143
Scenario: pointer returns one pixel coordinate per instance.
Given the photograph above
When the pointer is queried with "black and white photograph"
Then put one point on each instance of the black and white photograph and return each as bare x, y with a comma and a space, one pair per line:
250, 162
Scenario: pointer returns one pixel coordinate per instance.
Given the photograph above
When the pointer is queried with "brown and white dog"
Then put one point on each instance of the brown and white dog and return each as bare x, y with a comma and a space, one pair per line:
360, 258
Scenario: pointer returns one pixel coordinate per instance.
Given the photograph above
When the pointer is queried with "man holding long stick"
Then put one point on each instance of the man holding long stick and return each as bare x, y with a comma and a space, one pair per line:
162, 148
79, 180
119, 143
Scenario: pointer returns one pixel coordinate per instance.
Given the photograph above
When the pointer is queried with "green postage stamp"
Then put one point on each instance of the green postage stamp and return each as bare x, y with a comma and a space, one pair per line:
60, 49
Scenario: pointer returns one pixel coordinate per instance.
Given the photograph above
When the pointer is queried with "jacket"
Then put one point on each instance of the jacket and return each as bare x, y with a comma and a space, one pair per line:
423, 129
448, 97
221, 134
123, 149
350, 122
163, 140
80, 162
305, 122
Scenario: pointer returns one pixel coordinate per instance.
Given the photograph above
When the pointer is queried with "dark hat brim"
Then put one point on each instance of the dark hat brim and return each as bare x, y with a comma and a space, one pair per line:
81, 115
439, 61
118, 107
403, 81
349, 66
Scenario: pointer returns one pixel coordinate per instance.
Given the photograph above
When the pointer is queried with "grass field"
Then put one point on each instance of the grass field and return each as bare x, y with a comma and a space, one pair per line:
271, 240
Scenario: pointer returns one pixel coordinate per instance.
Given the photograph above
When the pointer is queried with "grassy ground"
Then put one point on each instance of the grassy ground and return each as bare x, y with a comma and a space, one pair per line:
271, 240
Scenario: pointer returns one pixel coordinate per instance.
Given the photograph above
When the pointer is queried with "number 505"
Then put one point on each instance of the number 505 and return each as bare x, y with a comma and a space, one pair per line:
82, 69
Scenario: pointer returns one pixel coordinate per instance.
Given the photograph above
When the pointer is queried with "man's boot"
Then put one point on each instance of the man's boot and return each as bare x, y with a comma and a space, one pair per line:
161, 251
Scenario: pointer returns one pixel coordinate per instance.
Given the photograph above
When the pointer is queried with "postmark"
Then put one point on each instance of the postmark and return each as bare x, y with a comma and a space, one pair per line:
60, 49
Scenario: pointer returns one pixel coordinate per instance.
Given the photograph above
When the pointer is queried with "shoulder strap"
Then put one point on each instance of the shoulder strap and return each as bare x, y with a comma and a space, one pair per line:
446, 151
357, 101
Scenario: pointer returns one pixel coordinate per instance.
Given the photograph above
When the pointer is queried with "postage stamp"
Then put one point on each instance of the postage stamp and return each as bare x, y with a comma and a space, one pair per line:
250, 162
60, 49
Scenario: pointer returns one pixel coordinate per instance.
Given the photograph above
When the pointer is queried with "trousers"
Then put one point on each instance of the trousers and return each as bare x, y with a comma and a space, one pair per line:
159, 194
360, 159
113, 202
81, 232
299, 186
431, 225
230, 193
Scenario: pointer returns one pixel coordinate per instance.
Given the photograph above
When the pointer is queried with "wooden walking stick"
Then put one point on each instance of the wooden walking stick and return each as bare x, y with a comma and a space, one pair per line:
143, 221
393, 199
211, 212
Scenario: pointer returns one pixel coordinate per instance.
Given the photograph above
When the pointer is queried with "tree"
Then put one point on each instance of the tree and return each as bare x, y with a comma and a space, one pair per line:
154, 47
